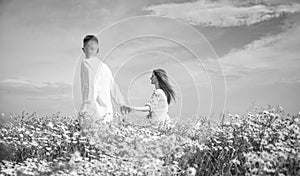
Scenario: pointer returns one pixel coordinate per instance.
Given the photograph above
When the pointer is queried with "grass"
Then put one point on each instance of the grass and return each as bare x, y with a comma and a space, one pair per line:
263, 142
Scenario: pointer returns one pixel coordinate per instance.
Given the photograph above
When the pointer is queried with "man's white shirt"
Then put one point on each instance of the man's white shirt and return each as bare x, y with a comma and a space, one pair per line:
98, 88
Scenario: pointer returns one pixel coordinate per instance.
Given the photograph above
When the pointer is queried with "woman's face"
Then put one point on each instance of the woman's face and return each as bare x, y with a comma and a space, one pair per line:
153, 79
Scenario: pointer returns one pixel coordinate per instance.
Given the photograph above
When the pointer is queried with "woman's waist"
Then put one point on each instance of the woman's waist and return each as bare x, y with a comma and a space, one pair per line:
159, 115
162, 111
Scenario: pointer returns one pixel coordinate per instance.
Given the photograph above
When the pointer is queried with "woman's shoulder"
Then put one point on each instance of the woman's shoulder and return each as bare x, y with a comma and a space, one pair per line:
159, 92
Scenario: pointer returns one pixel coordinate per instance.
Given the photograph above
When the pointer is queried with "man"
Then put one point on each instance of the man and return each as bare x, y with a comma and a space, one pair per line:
97, 84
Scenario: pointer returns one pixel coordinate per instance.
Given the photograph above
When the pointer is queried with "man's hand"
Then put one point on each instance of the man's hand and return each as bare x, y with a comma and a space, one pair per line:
83, 109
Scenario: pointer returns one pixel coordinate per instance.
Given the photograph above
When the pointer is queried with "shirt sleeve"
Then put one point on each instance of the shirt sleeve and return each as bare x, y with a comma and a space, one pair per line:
102, 85
115, 91
154, 101
84, 78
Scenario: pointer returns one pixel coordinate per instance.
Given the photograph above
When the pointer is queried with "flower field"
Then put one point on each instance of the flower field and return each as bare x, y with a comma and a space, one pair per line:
263, 142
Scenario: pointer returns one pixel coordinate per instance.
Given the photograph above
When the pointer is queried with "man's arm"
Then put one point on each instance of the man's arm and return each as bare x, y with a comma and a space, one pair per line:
84, 76
116, 93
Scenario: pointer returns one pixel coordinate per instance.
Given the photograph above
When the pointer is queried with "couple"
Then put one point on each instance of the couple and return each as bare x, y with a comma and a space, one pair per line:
98, 89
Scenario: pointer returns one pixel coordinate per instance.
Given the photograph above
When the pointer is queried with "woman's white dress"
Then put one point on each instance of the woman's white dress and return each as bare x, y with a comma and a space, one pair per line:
158, 115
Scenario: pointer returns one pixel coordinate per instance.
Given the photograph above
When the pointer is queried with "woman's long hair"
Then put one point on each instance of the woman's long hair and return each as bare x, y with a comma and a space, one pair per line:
164, 84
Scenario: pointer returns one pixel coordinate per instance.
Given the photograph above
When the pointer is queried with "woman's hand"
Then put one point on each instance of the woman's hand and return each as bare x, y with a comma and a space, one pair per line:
125, 110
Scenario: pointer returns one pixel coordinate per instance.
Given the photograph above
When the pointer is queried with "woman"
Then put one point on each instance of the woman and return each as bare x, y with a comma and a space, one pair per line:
157, 107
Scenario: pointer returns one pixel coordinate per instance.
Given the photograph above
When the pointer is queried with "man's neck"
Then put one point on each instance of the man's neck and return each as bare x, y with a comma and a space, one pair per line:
89, 57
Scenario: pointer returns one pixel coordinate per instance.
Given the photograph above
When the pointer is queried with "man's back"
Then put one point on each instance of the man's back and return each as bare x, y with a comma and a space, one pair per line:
96, 84
103, 85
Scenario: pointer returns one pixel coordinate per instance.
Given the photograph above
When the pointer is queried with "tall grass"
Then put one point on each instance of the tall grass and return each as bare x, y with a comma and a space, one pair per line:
263, 142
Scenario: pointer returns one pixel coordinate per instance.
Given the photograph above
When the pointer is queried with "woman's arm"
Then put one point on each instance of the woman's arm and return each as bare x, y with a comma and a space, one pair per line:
141, 108
127, 109
153, 103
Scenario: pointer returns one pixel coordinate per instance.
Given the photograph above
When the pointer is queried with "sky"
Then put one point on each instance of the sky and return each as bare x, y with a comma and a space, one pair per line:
220, 55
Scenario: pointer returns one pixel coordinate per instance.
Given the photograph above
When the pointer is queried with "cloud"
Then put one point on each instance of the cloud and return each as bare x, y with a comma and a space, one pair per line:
224, 13
45, 98
265, 41
269, 60
247, 56
291, 80
34, 89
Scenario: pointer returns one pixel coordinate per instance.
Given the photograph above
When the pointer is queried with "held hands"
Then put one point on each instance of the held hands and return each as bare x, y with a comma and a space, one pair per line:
125, 110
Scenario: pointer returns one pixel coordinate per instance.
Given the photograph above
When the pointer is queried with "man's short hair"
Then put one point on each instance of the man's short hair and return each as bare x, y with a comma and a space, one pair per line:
88, 38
